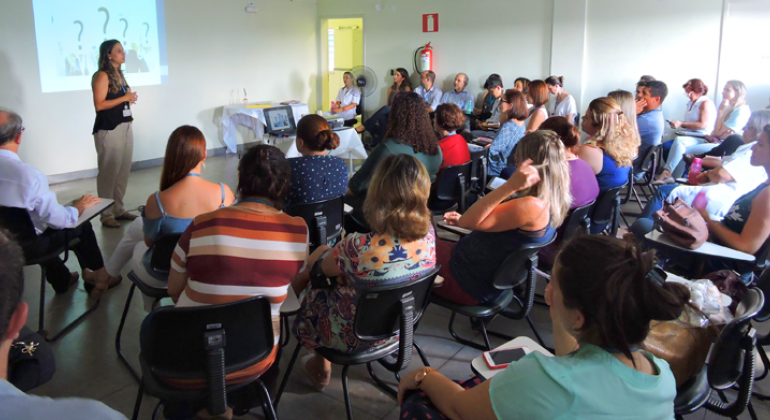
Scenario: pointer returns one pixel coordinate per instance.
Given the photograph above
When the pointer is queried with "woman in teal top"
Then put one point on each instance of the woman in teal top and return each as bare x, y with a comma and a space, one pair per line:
410, 132
602, 297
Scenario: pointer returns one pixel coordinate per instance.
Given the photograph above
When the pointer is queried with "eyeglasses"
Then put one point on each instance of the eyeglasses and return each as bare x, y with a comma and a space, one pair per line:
502, 101
22, 129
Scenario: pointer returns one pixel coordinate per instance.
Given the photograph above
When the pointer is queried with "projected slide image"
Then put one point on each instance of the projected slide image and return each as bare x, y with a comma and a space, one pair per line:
279, 120
69, 34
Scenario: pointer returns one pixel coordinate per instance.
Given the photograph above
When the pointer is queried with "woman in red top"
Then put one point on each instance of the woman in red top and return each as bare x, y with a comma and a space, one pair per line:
454, 148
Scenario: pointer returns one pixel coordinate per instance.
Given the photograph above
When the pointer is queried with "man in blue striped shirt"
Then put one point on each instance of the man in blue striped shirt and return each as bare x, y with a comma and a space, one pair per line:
459, 96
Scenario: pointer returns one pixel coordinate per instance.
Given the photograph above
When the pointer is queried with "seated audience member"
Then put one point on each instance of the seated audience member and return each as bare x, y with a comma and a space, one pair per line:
409, 132
700, 114
745, 226
501, 225
400, 248
428, 91
15, 404
538, 97
489, 115
730, 178
316, 176
23, 186
348, 98
522, 85
454, 148
513, 106
209, 266
649, 118
183, 195
378, 122
611, 145
602, 301
732, 116
627, 104
459, 96
564, 105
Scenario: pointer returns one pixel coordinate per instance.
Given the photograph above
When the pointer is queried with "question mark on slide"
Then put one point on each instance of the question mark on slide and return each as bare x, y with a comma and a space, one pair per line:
147, 31
77, 22
106, 20
124, 29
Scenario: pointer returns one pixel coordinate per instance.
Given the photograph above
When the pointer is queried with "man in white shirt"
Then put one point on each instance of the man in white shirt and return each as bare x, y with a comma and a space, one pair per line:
430, 94
347, 99
23, 186
15, 404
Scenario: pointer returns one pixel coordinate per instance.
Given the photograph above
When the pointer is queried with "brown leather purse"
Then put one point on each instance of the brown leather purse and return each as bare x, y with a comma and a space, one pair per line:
682, 223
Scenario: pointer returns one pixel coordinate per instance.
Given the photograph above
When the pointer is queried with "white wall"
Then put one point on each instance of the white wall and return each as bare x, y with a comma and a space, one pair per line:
672, 40
510, 37
213, 47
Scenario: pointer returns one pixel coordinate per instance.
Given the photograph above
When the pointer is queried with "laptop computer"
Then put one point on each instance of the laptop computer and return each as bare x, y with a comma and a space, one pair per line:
280, 121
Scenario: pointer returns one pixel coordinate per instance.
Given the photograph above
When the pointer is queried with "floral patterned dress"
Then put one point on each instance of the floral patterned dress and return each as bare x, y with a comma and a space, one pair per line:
367, 260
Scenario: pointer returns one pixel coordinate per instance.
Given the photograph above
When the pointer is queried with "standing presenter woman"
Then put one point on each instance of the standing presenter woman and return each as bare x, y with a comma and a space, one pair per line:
113, 134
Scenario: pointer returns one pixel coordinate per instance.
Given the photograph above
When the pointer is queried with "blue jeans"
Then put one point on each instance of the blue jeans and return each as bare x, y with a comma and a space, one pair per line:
656, 202
377, 124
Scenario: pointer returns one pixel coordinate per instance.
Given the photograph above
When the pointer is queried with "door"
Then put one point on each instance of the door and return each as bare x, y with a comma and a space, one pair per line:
343, 51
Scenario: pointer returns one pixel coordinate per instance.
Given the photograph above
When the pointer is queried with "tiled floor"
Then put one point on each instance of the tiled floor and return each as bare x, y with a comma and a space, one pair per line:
88, 367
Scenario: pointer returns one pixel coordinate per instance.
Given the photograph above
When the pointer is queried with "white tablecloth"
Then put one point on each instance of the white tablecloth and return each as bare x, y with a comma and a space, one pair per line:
350, 146
254, 118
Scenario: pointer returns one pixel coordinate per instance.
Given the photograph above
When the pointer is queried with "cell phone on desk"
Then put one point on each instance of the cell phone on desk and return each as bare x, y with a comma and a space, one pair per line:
500, 359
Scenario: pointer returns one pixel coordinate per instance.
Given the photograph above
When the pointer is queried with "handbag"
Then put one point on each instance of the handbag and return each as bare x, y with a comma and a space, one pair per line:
682, 223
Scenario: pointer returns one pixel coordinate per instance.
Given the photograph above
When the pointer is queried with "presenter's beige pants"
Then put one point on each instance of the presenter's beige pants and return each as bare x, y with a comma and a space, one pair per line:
114, 151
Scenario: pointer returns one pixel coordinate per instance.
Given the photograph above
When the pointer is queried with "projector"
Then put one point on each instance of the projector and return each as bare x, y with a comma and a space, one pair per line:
334, 121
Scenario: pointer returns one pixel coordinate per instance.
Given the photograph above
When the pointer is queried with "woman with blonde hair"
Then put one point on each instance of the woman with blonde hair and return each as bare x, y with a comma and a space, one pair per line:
732, 116
627, 104
524, 211
400, 248
612, 144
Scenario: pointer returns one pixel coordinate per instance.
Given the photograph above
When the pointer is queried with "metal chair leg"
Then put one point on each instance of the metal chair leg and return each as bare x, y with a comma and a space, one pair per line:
156, 412
348, 407
534, 330
286, 375
460, 339
120, 332
422, 354
138, 403
267, 405
41, 310
41, 313
382, 384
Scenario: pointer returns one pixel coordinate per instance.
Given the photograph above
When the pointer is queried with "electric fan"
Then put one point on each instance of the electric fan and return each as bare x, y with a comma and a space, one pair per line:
366, 81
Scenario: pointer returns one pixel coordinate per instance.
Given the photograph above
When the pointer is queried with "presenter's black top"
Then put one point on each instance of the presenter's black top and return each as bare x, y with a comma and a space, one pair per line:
108, 119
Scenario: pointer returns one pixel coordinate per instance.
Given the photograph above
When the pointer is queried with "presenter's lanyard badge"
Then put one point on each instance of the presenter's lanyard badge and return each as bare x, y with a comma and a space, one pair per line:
126, 109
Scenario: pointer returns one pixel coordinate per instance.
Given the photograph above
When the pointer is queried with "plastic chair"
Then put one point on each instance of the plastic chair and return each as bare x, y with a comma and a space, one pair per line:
479, 175
606, 211
162, 251
451, 189
650, 168
206, 342
763, 284
517, 279
354, 121
381, 312
324, 220
17, 221
577, 221
730, 364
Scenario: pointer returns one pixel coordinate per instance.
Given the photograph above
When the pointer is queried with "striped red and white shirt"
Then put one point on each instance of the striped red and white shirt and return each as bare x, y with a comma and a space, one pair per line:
234, 253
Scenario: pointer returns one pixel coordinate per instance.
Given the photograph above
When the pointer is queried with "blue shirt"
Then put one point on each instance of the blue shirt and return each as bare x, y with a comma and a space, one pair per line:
316, 178
651, 127
461, 99
588, 384
17, 405
23, 186
432, 97
506, 139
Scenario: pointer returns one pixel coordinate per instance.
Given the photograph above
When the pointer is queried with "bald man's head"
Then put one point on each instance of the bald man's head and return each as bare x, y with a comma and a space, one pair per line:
10, 126
461, 81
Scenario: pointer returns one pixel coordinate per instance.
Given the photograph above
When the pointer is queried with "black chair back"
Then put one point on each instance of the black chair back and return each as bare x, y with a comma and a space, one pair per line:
726, 360
650, 161
162, 251
454, 184
16, 220
606, 210
323, 218
577, 221
763, 284
479, 164
518, 267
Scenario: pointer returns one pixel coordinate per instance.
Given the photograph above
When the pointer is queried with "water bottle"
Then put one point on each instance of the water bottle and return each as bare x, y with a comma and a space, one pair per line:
700, 201
695, 170
469, 108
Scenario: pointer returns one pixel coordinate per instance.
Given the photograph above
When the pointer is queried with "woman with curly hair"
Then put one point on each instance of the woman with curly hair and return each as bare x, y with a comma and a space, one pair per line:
410, 132
400, 248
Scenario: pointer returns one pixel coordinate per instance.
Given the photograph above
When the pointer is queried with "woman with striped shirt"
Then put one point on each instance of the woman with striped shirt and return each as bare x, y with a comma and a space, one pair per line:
248, 249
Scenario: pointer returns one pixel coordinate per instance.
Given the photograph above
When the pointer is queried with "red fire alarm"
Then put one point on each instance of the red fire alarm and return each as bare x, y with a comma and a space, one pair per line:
430, 22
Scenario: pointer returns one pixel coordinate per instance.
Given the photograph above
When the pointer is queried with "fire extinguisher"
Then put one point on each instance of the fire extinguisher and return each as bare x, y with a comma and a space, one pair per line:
423, 59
